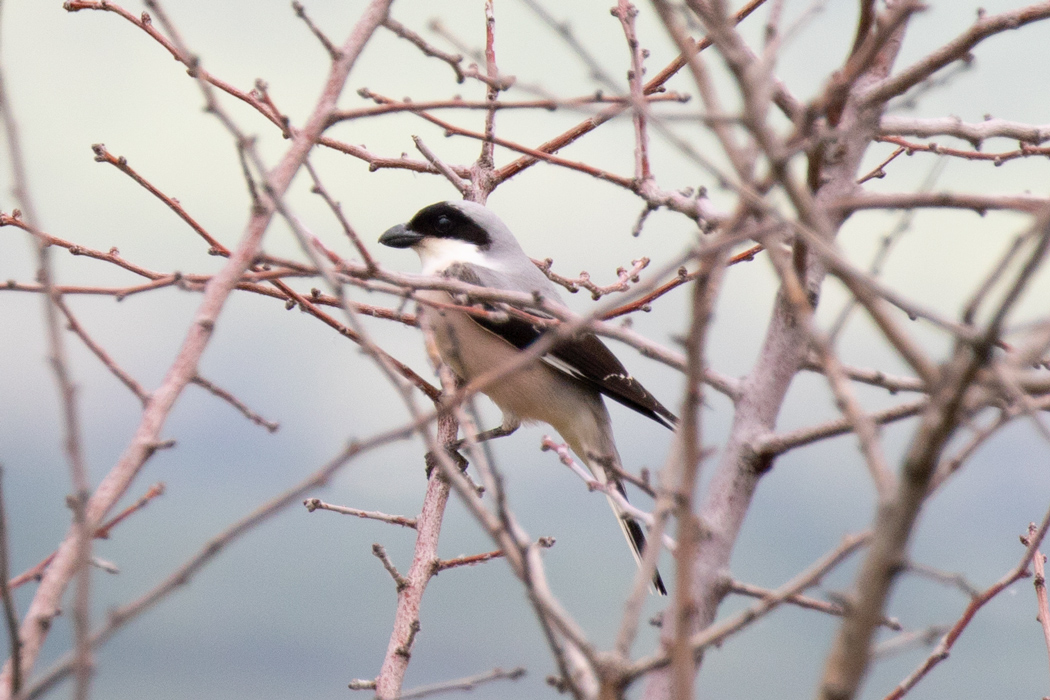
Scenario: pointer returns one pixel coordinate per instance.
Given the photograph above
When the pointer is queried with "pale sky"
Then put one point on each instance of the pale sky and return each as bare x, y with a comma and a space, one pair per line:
300, 606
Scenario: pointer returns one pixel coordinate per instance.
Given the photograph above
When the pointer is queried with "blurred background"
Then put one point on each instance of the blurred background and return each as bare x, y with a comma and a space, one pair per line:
300, 606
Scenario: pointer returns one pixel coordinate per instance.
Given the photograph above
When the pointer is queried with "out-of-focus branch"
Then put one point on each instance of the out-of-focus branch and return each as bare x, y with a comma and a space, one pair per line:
45, 604
104, 357
655, 84
1032, 541
101, 533
466, 684
337, 211
1039, 564
734, 623
79, 537
803, 601
874, 377
184, 574
911, 147
241, 407
955, 50
850, 655
976, 134
10, 612
783, 442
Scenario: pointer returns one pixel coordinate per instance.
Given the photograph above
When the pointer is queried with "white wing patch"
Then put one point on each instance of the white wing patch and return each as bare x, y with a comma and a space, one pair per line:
562, 366
565, 368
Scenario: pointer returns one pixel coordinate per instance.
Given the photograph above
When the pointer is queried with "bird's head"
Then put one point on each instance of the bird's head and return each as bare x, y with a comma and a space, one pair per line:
455, 232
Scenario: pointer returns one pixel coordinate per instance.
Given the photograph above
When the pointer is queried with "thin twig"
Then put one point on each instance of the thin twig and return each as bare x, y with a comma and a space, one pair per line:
470, 560
79, 538
333, 51
609, 489
229, 398
384, 106
101, 533
399, 580
804, 601
1039, 580
313, 504
459, 183
940, 653
45, 604
716, 633
907, 640
466, 684
944, 577
337, 210
104, 357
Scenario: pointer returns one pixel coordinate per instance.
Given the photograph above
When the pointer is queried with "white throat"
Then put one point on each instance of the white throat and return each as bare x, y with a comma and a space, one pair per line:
436, 254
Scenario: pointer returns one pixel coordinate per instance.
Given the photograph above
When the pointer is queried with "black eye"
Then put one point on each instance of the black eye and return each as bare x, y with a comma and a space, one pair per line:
444, 224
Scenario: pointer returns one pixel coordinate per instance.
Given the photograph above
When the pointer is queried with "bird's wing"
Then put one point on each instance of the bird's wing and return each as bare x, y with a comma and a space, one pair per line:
583, 357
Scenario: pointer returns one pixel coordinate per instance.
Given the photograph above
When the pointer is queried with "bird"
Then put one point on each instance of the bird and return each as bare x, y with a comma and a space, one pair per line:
467, 241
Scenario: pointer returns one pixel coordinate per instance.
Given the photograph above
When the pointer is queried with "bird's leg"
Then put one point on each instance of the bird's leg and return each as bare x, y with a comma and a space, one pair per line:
510, 424
431, 460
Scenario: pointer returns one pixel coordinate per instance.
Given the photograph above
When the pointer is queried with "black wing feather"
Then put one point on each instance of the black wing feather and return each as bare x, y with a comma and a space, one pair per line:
584, 357
587, 358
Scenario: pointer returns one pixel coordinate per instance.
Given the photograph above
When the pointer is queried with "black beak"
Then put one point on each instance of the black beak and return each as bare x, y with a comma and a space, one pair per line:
400, 237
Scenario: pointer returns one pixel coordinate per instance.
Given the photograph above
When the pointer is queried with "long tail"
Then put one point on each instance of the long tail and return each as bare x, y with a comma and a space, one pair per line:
633, 531
596, 446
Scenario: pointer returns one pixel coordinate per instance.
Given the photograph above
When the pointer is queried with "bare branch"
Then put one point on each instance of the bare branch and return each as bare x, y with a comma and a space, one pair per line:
457, 182
470, 560
803, 601
79, 538
1038, 563
46, 601
401, 581
300, 12
956, 50
229, 398
466, 684
313, 504
1031, 542
102, 533
779, 444
976, 134
716, 633
184, 574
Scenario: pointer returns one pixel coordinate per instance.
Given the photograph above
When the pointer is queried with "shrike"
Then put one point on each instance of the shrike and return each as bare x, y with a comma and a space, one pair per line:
466, 241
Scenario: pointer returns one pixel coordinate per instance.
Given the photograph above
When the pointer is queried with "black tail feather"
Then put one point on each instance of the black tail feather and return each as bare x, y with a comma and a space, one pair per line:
638, 542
